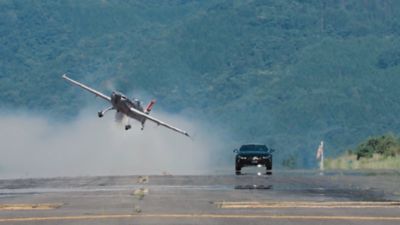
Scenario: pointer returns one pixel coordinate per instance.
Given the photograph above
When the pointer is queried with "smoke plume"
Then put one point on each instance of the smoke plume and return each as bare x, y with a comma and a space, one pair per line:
32, 146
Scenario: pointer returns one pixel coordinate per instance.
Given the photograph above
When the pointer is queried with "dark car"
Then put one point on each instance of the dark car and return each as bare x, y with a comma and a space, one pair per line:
253, 155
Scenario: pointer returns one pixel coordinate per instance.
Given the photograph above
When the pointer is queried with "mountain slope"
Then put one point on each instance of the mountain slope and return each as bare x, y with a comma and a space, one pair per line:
287, 73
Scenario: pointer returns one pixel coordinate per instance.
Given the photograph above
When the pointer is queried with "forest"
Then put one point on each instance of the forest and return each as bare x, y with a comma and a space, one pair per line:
287, 73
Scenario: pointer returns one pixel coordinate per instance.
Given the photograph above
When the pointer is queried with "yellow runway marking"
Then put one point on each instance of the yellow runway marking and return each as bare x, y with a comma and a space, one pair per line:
303, 204
44, 206
200, 216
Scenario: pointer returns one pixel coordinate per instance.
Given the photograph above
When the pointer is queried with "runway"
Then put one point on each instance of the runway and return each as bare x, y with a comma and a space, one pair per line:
286, 197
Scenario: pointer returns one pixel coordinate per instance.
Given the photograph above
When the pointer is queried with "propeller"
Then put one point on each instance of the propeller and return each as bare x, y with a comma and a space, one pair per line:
119, 117
110, 85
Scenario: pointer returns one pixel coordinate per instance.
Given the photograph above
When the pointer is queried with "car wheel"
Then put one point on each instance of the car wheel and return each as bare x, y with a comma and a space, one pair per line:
238, 170
268, 168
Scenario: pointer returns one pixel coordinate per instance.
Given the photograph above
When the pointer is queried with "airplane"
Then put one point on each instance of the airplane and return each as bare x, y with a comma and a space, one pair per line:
131, 108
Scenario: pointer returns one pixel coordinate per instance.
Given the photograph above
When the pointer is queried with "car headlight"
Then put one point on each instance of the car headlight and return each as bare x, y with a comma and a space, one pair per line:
242, 157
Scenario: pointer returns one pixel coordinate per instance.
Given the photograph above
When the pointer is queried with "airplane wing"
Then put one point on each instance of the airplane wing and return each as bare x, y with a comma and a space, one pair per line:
159, 122
99, 94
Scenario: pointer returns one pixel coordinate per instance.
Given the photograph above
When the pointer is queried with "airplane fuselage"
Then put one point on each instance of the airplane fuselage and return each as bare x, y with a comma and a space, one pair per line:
123, 104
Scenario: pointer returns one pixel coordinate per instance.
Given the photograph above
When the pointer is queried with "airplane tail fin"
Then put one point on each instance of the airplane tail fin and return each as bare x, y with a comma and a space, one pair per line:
150, 106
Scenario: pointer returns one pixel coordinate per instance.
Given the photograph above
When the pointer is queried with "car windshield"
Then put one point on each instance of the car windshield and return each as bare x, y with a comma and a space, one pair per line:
253, 148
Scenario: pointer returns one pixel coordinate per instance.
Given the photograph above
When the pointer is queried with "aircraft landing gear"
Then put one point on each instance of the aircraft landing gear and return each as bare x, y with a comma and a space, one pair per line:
101, 113
127, 127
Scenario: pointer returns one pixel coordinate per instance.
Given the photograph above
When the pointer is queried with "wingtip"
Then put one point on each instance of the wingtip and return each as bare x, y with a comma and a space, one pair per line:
64, 75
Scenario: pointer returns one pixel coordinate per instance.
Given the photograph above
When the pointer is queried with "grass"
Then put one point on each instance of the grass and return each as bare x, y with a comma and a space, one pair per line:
350, 162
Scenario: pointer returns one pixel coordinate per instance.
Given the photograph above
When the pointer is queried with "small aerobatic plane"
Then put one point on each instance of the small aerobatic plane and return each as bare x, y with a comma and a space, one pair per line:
131, 108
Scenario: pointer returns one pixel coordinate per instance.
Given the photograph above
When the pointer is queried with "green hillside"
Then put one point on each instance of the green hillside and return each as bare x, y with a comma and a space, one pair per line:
288, 73
382, 152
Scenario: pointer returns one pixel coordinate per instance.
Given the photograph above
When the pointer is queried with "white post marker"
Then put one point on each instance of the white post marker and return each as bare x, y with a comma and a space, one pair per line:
320, 156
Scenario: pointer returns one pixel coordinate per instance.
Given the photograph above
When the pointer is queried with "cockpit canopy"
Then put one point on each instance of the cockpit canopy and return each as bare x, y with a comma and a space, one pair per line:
137, 103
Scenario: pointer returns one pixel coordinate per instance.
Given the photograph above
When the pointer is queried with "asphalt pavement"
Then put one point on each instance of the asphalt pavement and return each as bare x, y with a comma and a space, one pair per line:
286, 197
